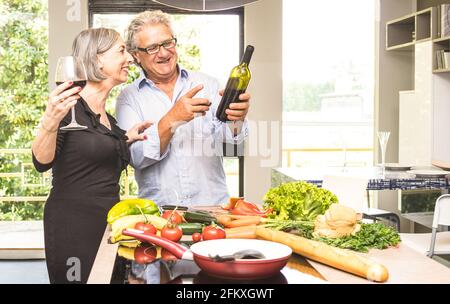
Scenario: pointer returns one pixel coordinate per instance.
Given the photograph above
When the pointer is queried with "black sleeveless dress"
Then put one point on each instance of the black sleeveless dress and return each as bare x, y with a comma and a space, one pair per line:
85, 185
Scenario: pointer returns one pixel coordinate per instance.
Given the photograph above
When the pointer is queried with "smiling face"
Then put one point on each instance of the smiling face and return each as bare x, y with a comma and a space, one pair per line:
161, 66
115, 62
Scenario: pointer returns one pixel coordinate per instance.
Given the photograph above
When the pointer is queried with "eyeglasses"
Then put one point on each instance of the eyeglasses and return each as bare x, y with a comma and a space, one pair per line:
154, 48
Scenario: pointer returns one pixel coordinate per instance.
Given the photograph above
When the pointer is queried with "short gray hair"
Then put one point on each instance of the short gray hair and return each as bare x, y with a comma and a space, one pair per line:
90, 43
140, 21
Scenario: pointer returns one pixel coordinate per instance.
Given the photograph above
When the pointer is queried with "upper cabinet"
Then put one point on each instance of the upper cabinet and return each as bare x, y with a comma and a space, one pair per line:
429, 24
404, 32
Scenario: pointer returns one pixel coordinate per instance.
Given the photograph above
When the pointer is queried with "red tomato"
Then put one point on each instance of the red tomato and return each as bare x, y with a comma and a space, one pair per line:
213, 232
166, 255
173, 233
145, 254
147, 228
196, 237
176, 217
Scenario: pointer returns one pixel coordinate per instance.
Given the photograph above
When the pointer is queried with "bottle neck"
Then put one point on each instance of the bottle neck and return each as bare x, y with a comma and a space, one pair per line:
247, 55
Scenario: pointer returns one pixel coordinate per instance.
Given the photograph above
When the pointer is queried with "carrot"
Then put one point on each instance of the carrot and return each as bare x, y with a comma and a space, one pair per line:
237, 217
224, 219
253, 220
245, 232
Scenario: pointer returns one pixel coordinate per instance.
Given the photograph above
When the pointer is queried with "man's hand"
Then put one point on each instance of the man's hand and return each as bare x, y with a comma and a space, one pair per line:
238, 110
187, 108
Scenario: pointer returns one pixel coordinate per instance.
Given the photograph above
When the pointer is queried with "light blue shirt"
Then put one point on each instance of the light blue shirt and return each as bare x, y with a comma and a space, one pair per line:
190, 171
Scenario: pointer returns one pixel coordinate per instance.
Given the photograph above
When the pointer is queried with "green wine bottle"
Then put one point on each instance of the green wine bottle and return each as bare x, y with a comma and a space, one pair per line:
237, 84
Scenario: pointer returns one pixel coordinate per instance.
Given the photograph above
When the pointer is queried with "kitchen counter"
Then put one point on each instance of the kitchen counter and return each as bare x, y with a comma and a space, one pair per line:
404, 264
392, 180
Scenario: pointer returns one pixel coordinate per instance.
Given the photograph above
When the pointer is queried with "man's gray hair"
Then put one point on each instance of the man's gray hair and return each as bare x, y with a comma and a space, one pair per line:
140, 21
89, 44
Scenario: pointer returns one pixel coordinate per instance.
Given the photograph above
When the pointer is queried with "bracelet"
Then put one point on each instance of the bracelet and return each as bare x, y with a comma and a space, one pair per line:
47, 129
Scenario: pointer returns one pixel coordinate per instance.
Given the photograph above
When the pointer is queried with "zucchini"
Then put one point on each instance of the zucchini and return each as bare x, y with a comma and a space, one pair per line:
191, 228
199, 217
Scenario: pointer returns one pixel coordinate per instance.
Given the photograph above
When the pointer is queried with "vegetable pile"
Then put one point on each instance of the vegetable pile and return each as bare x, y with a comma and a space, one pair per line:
298, 201
375, 235
304, 209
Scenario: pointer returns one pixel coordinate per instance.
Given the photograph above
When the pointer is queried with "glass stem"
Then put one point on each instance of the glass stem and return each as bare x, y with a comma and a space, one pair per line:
73, 115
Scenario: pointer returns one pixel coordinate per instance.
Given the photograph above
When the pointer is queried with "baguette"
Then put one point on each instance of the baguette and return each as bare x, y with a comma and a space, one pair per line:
342, 259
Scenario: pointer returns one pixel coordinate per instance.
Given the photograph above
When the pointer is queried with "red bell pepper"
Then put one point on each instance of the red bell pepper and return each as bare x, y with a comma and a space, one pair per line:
243, 207
231, 203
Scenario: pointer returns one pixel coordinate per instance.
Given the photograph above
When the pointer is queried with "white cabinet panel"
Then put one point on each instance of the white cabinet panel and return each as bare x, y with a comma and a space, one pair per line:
441, 120
415, 111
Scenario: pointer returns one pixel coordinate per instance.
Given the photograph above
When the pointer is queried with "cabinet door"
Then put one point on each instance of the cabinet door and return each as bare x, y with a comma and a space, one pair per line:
415, 112
441, 120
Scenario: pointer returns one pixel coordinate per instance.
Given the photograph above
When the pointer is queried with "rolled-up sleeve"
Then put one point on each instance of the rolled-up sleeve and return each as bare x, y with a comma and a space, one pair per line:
224, 133
143, 153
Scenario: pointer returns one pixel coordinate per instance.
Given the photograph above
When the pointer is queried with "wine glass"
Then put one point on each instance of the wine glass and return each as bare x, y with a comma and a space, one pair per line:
383, 138
71, 68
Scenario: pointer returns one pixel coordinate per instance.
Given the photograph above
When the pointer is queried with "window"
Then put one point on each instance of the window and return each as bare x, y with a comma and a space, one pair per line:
23, 97
328, 79
209, 42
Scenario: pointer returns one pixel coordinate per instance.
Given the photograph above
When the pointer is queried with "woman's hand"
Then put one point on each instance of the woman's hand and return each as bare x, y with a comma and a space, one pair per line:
60, 101
136, 132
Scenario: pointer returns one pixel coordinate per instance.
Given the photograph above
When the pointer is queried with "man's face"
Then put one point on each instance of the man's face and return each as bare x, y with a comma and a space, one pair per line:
162, 65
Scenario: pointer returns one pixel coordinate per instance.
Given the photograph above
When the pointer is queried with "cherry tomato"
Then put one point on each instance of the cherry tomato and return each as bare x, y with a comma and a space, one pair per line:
176, 217
173, 233
147, 228
196, 237
145, 254
213, 232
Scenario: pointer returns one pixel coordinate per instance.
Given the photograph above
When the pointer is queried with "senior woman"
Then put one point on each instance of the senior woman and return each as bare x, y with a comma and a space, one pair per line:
86, 164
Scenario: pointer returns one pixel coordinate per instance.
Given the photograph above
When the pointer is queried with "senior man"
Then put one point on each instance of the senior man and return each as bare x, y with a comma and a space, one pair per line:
180, 162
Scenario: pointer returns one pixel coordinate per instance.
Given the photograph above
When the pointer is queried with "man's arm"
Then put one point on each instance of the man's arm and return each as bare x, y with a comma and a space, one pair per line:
143, 153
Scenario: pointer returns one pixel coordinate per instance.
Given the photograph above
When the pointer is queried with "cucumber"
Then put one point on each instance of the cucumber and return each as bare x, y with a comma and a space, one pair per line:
199, 217
191, 228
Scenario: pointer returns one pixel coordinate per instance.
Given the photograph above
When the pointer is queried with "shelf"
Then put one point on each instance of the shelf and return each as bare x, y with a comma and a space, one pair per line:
400, 32
402, 47
404, 32
423, 25
443, 39
441, 71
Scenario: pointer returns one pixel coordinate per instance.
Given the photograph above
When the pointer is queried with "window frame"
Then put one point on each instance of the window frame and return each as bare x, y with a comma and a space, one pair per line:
137, 6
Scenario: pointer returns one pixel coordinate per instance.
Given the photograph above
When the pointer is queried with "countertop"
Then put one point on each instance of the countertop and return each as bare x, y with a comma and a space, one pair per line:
404, 264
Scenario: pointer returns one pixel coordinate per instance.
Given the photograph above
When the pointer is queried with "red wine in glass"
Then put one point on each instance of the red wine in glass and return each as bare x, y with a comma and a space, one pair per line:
77, 83
71, 68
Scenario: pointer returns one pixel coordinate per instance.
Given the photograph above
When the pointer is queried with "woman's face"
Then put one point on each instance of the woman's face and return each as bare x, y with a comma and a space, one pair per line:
115, 62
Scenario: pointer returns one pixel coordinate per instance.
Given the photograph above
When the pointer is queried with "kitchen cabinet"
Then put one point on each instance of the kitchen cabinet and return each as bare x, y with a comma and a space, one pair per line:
424, 109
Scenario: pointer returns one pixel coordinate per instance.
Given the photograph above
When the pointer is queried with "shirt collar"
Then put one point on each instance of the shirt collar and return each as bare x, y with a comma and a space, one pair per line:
142, 79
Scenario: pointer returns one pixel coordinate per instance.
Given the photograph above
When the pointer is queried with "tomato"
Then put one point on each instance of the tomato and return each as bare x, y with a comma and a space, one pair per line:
147, 228
196, 237
176, 217
213, 232
173, 233
166, 255
145, 254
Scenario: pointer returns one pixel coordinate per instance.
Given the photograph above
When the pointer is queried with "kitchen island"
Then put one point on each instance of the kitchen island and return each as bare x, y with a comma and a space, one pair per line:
405, 266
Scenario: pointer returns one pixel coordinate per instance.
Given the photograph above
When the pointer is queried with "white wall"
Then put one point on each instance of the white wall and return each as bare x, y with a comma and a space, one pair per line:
393, 73
263, 29
66, 19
